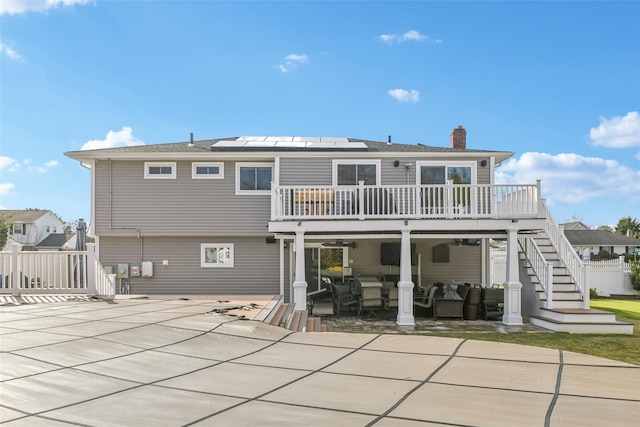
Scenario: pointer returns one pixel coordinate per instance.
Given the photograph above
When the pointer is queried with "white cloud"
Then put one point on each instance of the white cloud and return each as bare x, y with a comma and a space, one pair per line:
571, 178
7, 162
18, 7
5, 188
411, 35
4, 49
47, 165
122, 138
618, 132
292, 61
402, 95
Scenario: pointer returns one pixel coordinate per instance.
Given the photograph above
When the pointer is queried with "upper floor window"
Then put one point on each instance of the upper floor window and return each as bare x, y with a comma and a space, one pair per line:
350, 172
160, 170
253, 178
19, 229
207, 170
434, 173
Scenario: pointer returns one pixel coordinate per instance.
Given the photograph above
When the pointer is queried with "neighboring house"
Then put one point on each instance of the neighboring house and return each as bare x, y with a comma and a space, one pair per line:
35, 229
288, 215
589, 243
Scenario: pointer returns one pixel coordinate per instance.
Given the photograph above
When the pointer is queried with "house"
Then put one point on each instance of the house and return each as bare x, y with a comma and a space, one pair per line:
589, 243
35, 229
289, 215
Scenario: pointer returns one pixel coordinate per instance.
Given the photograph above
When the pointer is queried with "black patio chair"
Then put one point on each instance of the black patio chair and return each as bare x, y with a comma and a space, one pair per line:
342, 298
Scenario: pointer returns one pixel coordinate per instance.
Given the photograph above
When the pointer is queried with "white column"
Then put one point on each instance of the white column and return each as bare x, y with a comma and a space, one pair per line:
512, 286
300, 284
405, 285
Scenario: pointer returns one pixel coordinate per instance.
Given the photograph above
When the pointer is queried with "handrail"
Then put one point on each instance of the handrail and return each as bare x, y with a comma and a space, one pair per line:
541, 268
567, 255
361, 202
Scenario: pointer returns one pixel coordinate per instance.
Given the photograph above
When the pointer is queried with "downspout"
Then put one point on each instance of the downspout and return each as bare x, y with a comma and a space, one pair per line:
111, 212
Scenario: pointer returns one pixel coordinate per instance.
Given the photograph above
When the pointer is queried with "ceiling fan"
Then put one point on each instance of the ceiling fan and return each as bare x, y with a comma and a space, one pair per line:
461, 242
339, 244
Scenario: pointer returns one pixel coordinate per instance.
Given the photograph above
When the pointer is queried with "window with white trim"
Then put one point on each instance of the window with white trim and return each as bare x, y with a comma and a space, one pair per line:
159, 170
18, 229
217, 255
254, 178
349, 172
207, 170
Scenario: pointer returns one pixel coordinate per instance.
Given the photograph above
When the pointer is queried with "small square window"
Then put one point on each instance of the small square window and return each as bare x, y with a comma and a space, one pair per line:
216, 255
158, 170
202, 170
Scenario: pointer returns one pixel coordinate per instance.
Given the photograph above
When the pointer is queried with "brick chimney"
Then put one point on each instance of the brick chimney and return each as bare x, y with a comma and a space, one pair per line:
459, 138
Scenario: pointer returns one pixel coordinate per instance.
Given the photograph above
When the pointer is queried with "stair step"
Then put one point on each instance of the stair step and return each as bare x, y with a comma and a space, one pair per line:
621, 328
563, 304
578, 315
279, 314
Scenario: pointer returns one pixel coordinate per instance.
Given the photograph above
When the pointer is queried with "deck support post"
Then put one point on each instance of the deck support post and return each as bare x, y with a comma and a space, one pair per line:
300, 284
405, 285
512, 286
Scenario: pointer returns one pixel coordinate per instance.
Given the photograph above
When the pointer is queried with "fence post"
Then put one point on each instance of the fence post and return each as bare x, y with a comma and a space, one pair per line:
91, 269
15, 273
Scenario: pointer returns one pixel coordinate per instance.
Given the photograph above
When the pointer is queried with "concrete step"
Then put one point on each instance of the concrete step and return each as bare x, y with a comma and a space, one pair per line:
577, 315
620, 328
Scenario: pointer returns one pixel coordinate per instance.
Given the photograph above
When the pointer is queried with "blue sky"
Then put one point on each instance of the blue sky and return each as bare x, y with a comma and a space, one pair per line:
558, 83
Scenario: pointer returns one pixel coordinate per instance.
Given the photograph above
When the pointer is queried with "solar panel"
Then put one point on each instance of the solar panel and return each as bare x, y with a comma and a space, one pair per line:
298, 142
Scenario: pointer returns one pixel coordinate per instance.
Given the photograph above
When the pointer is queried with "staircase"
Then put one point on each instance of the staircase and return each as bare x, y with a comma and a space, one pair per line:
568, 313
285, 316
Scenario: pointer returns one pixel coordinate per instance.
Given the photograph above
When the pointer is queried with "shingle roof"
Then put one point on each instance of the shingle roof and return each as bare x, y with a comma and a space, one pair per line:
53, 241
207, 146
599, 238
24, 216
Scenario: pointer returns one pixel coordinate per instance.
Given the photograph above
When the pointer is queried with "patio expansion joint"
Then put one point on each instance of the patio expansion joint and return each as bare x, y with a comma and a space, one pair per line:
259, 397
420, 384
556, 393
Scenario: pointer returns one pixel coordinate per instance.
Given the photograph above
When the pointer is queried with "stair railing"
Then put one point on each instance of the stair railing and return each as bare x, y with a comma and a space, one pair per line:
568, 256
541, 268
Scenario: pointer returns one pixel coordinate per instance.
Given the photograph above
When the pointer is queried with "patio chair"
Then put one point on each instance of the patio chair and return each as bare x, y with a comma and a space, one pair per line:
426, 300
370, 300
342, 298
451, 304
314, 296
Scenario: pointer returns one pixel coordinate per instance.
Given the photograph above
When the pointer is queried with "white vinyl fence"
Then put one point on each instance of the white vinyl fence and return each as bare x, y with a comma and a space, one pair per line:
64, 272
610, 277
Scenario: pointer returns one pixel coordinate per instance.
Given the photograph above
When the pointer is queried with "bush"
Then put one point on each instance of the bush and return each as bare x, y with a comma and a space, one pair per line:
604, 254
635, 274
593, 293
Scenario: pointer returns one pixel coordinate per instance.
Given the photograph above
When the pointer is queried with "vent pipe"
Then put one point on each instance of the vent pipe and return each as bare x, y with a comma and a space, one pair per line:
191, 140
389, 140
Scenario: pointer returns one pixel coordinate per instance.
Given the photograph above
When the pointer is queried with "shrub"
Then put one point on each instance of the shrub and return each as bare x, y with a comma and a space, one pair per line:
635, 274
593, 293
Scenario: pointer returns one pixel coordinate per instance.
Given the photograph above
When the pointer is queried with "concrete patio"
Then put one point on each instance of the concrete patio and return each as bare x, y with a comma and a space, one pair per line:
180, 361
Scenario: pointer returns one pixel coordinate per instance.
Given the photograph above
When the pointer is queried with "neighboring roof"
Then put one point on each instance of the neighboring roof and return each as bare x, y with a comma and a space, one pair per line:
53, 241
27, 216
577, 225
187, 149
599, 238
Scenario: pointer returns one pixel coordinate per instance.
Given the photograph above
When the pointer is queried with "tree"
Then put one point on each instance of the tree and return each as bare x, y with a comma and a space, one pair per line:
605, 228
6, 222
628, 223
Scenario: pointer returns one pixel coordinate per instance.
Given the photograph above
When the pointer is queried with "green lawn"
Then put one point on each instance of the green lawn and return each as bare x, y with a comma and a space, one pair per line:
625, 348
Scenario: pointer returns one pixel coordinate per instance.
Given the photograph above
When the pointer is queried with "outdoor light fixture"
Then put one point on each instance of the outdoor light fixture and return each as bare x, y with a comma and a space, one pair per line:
396, 163
483, 163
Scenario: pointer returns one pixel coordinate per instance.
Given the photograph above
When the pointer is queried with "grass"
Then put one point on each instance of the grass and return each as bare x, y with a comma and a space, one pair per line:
625, 348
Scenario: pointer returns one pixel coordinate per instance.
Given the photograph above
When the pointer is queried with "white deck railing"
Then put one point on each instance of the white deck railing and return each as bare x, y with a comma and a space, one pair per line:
64, 272
405, 201
568, 256
541, 268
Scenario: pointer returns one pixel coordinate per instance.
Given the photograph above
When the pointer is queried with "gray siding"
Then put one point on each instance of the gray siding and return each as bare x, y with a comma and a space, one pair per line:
174, 207
255, 271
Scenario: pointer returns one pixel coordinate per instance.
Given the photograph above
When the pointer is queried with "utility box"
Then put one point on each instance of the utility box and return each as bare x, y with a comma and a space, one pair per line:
123, 271
135, 270
147, 269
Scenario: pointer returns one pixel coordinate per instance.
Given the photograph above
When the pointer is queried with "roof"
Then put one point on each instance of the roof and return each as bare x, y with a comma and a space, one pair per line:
27, 216
599, 238
53, 241
577, 225
188, 150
